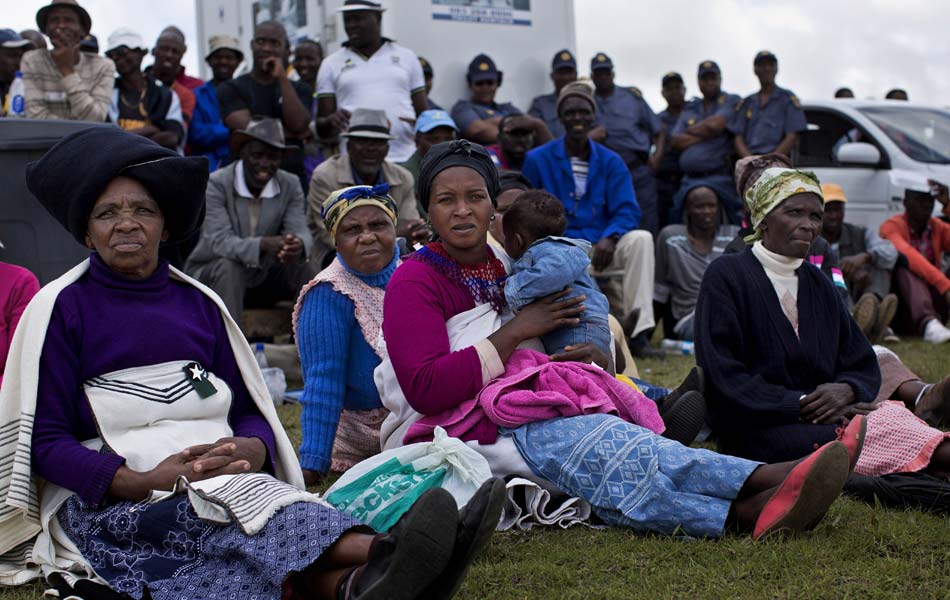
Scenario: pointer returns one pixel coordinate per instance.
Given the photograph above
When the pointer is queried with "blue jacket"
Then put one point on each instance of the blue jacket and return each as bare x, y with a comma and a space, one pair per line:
549, 265
608, 206
207, 134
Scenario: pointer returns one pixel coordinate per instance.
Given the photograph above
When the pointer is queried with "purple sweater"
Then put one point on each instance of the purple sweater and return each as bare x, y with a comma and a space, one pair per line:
103, 323
417, 304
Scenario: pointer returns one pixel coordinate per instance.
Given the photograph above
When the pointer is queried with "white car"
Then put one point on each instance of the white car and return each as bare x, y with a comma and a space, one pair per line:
871, 148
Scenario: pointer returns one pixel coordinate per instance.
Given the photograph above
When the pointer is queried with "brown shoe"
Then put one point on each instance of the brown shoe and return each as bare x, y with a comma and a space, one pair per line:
886, 311
865, 313
934, 406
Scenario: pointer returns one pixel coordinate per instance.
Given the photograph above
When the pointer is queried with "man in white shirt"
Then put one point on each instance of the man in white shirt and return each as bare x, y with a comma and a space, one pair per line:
370, 71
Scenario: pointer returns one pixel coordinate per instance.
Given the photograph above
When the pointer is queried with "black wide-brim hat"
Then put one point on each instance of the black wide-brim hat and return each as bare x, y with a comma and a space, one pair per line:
71, 176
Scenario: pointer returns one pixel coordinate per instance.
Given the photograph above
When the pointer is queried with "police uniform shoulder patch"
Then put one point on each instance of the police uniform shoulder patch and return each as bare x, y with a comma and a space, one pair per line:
739, 104
795, 102
635, 91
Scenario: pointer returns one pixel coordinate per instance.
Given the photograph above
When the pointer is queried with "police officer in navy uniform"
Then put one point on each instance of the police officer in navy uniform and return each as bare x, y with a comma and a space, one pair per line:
769, 120
705, 143
668, 174
478, 118
544, 107
631, 127
428, 75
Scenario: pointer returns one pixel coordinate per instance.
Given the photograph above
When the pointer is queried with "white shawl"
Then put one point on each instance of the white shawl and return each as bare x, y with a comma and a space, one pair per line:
30, 544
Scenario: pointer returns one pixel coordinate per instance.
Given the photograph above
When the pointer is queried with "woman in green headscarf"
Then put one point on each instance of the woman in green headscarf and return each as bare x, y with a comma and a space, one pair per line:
786, 364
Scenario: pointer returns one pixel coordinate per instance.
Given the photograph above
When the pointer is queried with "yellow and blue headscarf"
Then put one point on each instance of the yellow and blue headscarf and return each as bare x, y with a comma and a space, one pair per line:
773, 187
341, 202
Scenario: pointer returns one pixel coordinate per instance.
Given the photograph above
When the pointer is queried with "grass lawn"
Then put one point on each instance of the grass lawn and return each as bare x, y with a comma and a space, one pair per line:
857, 552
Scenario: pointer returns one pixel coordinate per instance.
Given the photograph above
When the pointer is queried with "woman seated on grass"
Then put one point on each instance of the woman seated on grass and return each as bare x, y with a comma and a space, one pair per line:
928, 401
448, 333
337, 323
144, 457
785, 363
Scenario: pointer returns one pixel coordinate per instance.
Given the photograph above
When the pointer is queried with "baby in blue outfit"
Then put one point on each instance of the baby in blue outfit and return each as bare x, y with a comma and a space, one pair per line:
546, 263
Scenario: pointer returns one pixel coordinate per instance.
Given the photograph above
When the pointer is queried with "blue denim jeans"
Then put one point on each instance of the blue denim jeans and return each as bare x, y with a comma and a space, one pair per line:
597, 333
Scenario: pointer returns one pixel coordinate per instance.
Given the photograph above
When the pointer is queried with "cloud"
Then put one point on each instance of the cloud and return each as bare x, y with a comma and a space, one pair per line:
870, 46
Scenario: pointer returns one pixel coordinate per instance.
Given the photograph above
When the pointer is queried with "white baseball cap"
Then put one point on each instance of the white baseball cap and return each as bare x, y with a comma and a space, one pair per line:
125, 37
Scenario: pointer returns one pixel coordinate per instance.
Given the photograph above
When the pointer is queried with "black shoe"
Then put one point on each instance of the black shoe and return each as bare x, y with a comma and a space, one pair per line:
695, 382
415, 551
684, 417
641, 348
477, 522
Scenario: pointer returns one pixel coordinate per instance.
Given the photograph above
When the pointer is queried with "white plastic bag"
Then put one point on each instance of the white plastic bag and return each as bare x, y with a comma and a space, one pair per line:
378, 490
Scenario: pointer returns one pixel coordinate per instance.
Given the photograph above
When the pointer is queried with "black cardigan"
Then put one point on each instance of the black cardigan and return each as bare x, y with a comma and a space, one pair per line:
755, 366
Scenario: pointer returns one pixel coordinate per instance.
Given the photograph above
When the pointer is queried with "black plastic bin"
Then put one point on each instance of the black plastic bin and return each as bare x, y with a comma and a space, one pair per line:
32, 238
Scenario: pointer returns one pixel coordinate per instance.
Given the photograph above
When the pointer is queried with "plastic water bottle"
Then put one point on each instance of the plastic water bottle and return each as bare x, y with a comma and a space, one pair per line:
17, 102
260, 356
677, 347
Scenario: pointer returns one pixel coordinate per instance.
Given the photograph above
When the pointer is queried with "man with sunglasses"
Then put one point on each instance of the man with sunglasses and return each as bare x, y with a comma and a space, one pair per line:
479, 117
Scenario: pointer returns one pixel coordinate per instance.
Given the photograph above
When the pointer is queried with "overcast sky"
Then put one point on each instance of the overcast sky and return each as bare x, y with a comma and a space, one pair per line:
868, 45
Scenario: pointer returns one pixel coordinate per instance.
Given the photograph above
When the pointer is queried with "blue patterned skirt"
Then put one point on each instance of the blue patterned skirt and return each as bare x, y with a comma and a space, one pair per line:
633, 477
167, 548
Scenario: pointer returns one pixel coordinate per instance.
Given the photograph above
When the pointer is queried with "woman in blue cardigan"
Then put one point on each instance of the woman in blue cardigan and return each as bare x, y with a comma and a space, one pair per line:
786, 365
337, 323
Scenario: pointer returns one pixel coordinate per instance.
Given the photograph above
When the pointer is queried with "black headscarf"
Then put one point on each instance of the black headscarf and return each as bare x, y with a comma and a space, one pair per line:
457, 153
71, 176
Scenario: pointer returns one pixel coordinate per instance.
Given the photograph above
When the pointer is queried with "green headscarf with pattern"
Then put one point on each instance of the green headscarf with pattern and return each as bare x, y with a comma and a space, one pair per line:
773, 187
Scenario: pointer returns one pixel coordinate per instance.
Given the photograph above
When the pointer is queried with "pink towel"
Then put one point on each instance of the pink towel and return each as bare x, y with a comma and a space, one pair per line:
532, 389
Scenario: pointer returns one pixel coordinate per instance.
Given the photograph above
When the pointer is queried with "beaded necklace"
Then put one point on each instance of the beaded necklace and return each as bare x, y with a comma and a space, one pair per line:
483, 280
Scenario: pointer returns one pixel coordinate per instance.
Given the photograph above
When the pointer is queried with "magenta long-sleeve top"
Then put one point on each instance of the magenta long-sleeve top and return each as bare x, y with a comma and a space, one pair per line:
418, 302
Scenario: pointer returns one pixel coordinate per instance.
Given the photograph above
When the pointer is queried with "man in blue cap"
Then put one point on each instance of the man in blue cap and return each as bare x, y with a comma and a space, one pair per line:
668, 175
705, 144
769, 120
544, 107
432, 127
631, 127
478, 118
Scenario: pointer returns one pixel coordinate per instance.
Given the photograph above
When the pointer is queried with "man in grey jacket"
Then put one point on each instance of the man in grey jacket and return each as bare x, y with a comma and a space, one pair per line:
254, 242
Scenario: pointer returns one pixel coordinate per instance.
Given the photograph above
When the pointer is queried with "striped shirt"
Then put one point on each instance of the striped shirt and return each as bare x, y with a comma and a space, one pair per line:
579, 169
83, 95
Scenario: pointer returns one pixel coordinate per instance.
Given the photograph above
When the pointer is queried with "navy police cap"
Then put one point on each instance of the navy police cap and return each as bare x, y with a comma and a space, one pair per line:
601, 61
671, 77
764, 55
709, 66
563, 60
482, 68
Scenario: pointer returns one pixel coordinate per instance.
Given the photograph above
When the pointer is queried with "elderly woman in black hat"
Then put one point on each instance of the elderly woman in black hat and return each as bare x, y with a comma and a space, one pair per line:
165, 471
448, 333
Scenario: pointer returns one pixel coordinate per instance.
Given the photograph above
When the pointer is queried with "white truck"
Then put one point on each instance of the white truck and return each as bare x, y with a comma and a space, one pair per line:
521, 36
871, 147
